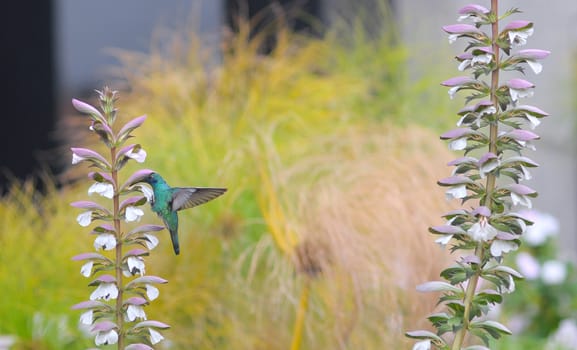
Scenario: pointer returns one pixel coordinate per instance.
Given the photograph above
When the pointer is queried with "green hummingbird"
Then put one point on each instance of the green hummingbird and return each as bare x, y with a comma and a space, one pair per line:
168, 201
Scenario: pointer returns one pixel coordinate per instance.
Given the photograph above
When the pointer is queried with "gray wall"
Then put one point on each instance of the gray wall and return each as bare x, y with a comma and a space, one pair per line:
555, 30
85, 30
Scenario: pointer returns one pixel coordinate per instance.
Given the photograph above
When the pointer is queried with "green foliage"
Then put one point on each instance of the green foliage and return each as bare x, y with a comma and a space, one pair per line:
313, 104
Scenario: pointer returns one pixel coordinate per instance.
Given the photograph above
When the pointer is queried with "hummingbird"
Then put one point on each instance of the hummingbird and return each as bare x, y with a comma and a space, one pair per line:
168, 201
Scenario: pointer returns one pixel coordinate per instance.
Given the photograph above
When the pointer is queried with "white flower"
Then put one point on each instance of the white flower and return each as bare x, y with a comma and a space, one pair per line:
511, 287
135, 311
155, 337
482, 231
133, 214
87, 317
553, 272
139, 156
135, 265
444, 240
151, 292
86, 269
151, 241
519, 37
528, 265
498, 247
422, 345
106, 337
535, 66
464, 65
458, 144
102, 188
105, 241
453, 38
456, 192
147, 192
521, 199
534, 121
483, 59
84, 219
544, 226
516, 94
526, 173
76, 158
105, 291
565, 337
488, 166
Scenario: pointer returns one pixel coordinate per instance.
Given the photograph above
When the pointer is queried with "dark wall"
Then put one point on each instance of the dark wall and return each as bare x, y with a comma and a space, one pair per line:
299, 15
27, 93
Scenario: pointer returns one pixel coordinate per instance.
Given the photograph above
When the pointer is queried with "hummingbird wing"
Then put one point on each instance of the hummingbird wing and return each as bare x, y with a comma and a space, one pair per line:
188, 197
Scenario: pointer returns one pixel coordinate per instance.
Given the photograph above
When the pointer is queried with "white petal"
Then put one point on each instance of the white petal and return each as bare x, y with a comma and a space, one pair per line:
105, 291
135, 311
422, 345
464, 65
521, 200
511, 287
444, 240
486, 58
86, 269
533, 120
151, 292
139, 156
103, 189
105, 241
151, 241
135, 265
155, 337
463, 17
86, 317
535, 66
526, 173
106, 338
488, 110
553, 272
456, 192
453, 38
147, 192
488, 166
498, 247
452, 91
84, 219
482, 232
458, 144
133, 214
76, 158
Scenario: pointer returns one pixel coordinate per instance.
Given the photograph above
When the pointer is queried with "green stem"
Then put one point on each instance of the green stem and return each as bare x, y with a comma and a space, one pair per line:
118, 266
467, 302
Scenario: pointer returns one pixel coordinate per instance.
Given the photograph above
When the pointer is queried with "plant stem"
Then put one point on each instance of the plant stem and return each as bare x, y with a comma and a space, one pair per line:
467, 302
118, 267
301, 313
490, 185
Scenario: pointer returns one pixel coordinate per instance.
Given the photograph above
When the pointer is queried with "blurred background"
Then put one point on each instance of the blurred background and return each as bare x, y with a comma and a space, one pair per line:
320, 93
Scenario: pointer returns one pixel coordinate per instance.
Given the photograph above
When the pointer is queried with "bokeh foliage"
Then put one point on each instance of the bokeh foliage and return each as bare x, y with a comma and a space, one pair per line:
323, 144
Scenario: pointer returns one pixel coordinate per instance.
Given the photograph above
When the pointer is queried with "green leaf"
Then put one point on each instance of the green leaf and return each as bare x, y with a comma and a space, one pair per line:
456, 274
422, 334
493, 328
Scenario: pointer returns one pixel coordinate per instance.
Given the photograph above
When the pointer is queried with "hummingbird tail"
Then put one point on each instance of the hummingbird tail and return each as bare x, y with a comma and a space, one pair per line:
174, 238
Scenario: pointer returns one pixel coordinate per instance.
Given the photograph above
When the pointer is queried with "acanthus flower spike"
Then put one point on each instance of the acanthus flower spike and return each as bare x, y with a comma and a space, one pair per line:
495, 128
115, 305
